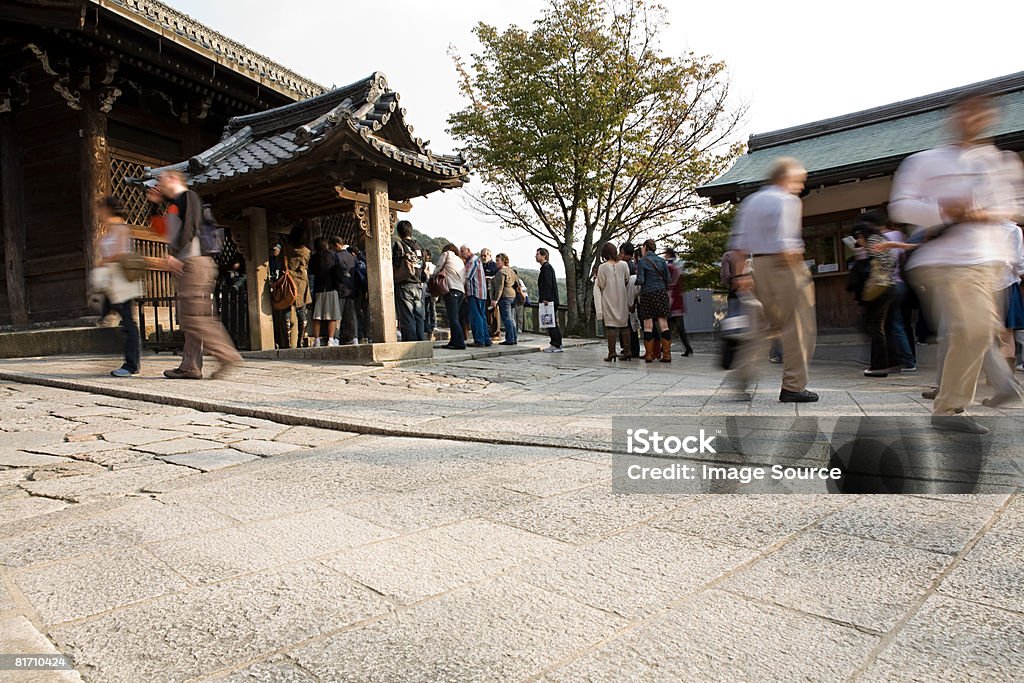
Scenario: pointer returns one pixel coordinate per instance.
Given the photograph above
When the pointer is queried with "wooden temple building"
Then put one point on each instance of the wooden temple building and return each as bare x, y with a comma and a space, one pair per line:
850, 161
344, 162
96, 92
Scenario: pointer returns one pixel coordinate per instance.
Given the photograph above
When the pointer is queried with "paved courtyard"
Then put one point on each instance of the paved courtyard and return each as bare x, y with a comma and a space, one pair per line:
455, 520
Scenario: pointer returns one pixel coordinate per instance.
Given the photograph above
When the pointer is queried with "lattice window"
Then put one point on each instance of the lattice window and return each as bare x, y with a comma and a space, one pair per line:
344, 225
136, 208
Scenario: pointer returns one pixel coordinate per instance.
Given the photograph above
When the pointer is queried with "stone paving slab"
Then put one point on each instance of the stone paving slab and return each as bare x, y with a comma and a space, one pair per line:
106, 483
438, 560
223, 625
12, 458
441, 504
840, 578
278, 670
70, 590
224, 553
22, 506
585, 515
992, 573
500, 630
637, 572
935, 525
718, 636
208, 461
953, 640
131, 523
749, 521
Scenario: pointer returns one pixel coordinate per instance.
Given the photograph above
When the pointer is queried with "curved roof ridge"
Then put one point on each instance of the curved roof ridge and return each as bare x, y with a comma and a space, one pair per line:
362, 92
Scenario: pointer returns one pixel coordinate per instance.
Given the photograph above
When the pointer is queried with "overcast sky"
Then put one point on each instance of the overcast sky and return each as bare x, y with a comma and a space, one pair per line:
790, 62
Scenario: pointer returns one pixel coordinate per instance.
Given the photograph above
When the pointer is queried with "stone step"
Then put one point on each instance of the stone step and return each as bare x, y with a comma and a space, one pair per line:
60, 341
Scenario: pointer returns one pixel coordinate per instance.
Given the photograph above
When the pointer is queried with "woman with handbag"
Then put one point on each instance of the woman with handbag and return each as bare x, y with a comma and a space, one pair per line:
878, 295
297, 259
447, 282
124, 278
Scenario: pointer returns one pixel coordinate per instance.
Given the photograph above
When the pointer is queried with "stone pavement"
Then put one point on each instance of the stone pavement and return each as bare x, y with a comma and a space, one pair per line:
234, 531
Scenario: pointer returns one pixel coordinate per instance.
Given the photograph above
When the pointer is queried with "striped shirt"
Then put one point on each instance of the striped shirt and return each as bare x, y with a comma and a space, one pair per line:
476, 279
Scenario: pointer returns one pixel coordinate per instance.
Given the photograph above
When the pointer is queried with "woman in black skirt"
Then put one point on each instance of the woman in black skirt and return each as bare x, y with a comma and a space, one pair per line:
653, 278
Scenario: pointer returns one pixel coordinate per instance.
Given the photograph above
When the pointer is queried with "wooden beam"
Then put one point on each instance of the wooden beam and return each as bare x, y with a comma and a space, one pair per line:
364, 198
13, 221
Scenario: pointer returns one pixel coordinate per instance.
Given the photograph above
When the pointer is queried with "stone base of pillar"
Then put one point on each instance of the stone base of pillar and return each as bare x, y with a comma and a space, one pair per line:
362, 354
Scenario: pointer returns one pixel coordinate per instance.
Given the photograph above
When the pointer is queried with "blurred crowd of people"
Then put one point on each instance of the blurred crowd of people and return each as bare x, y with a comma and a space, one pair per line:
944, 260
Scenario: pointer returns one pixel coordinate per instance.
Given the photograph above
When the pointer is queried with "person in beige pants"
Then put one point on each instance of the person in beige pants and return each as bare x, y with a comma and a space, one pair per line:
768, 227
204, 332
197, 275
958, 195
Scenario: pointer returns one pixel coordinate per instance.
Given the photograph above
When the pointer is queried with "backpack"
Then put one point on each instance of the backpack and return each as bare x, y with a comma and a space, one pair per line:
211, 235
344, 279
408, 266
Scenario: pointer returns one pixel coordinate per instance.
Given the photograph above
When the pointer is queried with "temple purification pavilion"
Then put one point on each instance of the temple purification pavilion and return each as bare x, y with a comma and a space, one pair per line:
344, 162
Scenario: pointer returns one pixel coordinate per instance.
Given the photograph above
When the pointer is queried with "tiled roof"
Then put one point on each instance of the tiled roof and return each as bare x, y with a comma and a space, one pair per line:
869, 142
171, 24
364, 112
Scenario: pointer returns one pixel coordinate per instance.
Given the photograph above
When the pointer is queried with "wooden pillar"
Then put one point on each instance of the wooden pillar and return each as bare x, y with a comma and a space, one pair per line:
14, 223
257, 268
378, 265
95, 172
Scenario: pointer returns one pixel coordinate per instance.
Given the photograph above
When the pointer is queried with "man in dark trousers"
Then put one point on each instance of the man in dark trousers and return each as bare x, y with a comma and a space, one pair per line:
407, 258
347, 333
197, 275
626, 254
547, 293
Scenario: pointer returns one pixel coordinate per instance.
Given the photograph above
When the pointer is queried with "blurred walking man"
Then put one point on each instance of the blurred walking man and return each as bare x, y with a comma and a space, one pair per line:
197, 274
958, 194
768, 227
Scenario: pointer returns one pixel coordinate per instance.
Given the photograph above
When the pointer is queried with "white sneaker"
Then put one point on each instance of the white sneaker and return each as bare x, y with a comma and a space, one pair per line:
333, 342
316, 343
1020, 368
553, 349
352, 342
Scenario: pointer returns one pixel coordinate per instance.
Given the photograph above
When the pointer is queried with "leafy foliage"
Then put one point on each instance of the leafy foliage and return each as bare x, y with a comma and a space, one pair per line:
702, 249
583, 132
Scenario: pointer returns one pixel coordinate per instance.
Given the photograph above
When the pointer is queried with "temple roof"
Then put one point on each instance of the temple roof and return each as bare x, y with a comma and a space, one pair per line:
166, 24
341, 137
867, 143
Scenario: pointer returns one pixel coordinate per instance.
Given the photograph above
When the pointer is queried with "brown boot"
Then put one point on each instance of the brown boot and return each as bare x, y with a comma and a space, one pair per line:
611, 334
666, 350
650, 345
626, 345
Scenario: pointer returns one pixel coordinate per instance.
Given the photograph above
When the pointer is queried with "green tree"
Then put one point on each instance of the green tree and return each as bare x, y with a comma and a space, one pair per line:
583, 132
702, 249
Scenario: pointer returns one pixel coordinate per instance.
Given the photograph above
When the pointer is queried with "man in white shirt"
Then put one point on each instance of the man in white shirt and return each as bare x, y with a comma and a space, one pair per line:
768, 227
960, 193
